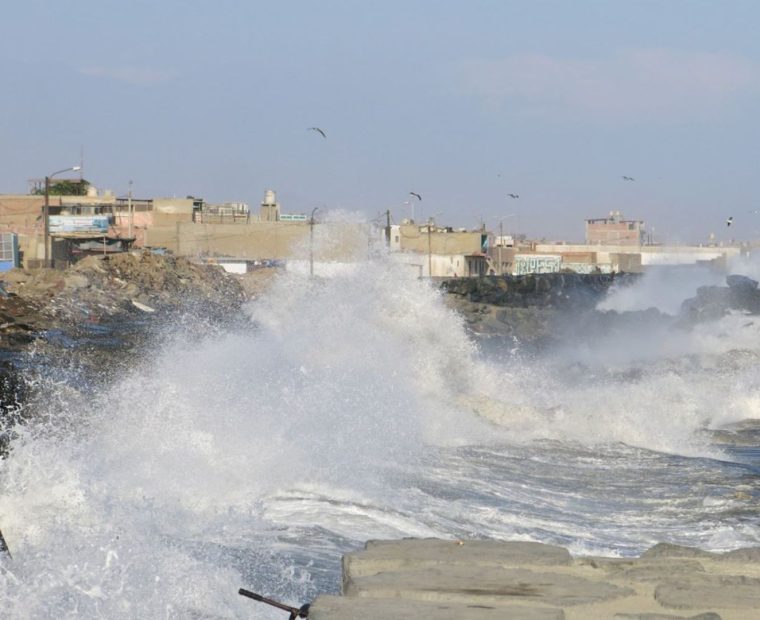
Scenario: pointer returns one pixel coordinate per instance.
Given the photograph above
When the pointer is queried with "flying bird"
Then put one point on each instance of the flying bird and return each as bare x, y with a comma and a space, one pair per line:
625, 178
729, 221
416, 195
319, 131
513, 195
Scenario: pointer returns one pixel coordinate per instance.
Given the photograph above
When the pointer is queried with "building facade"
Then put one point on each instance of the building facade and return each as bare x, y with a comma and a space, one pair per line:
614, 230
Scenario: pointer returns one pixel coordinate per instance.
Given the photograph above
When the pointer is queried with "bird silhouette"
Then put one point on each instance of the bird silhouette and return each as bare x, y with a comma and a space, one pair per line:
625, 178
416, 195
513, 195
729, 221
319, 131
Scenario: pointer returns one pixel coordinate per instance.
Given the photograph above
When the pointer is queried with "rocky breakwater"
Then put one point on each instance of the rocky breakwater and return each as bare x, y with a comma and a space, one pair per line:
527, 307
93, 317
105, 289
740, 295
483, 580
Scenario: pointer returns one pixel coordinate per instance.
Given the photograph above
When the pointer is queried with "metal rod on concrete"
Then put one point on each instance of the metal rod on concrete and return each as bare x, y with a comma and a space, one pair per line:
295, 612
4, 550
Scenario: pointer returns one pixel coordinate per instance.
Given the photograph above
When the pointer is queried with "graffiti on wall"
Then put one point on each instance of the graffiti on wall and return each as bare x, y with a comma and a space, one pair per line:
537, 263
588, 267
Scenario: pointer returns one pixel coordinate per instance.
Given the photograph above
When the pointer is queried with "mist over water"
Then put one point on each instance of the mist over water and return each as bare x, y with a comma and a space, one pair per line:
357, 407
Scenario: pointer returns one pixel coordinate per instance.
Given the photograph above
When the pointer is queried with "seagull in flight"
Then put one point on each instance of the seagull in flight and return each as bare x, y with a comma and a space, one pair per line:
416, 195
319, 131
729, 221
513, 195
625, 178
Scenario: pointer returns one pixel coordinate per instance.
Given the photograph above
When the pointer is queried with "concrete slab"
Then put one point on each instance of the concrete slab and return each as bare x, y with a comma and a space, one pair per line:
716, 591
484, 579
667, 550
409, 554
337, 608
485, 585
644, 571
707, 616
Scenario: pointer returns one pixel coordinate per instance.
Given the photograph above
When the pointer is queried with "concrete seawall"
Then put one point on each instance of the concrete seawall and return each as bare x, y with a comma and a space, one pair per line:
485, 580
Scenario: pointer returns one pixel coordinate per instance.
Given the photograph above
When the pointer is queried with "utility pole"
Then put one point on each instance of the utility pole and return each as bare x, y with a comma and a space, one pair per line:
430, 250
501, 243
129, 209
311, 242
46, 210
46, 223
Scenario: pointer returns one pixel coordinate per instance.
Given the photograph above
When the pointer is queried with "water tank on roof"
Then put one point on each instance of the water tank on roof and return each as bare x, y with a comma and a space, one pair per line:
269, 197
92, 191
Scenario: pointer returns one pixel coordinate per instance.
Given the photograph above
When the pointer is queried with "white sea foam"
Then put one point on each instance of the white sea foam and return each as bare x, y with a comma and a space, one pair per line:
344, 414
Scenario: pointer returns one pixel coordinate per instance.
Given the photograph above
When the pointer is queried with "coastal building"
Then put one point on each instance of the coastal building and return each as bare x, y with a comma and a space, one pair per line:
9, 256
439, 251
628, 258
269, 211
101, 222
614, 230
548, 258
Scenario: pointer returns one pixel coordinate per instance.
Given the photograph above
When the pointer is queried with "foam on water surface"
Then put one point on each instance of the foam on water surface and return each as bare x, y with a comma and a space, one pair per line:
357, 407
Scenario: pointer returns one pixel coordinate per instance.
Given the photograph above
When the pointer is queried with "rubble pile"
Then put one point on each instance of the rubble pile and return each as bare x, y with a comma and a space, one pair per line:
105, 288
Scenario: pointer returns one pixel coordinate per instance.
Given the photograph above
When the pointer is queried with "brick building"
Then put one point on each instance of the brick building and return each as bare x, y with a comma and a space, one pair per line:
614, 230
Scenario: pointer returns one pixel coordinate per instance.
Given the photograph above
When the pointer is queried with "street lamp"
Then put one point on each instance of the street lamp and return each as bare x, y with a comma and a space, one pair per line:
311, 242
46, 213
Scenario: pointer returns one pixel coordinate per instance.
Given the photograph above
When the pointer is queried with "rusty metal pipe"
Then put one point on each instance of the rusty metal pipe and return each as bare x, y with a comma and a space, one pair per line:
4, 550
295, 612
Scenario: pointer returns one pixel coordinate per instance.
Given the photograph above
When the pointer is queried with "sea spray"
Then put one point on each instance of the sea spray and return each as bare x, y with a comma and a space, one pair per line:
116, 503
349, 408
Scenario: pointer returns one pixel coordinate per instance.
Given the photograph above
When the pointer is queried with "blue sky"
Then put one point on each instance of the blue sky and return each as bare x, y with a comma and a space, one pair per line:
462, 102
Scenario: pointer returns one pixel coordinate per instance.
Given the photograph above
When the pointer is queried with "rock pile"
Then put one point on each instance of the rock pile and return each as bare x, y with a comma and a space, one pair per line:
560, 290
713, 302
104, 288
542, 309
527, 308
483, 580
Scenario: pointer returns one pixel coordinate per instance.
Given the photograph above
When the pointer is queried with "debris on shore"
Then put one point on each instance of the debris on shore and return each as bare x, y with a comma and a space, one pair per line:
105, 288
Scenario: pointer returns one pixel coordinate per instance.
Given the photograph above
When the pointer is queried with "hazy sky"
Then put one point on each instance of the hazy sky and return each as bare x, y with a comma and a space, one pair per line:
462, 102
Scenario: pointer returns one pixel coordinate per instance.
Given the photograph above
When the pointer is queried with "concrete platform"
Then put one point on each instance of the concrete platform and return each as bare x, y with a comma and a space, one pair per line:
481, 580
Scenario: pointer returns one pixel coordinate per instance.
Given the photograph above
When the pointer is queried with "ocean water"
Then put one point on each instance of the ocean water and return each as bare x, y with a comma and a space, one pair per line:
358, 407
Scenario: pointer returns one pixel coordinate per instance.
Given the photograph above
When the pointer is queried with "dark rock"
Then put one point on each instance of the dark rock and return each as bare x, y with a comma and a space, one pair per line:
741, 282
531, 309
714, 302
